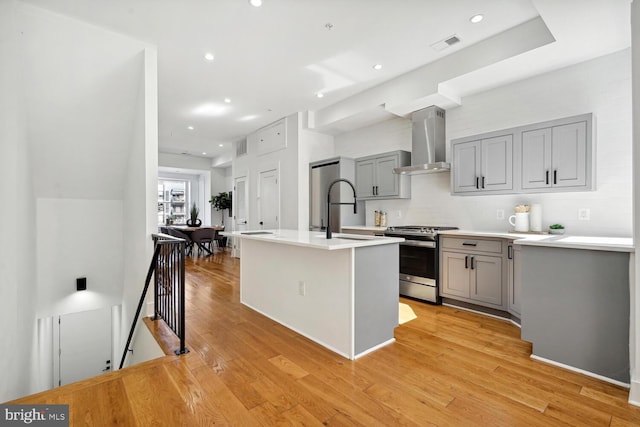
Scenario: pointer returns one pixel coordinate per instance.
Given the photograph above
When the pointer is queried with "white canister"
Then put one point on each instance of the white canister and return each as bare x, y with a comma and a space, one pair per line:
535, 217
520, 221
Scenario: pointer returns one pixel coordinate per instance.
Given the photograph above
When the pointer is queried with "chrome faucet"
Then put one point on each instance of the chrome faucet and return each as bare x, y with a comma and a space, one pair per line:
329, 204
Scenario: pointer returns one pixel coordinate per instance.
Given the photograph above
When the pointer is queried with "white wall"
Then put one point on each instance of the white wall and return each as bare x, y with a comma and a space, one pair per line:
78, 238
312, 146
286, 160
17, 225
140, 191
634, 329
601, 86
76, 164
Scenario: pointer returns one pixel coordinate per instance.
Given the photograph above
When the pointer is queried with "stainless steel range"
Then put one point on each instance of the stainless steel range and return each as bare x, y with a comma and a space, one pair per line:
419, 263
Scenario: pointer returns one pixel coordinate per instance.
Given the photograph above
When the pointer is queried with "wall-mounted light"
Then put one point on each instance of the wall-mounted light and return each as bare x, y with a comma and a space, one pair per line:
81, 284
255, 3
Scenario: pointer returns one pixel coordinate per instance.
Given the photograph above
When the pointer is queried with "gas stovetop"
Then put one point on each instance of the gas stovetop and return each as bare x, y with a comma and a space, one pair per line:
416, 230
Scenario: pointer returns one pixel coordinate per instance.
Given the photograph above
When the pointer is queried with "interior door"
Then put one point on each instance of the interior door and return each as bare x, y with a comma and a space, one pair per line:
84, 345
269, 203
240, 203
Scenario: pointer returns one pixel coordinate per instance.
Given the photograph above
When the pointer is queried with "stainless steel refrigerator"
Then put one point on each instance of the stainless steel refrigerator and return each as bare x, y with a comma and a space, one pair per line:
321, 175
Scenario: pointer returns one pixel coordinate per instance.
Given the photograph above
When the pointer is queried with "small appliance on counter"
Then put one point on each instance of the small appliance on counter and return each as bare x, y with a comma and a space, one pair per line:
419, 261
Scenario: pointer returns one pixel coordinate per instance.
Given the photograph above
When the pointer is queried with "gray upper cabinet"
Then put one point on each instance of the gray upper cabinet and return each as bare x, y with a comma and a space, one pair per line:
555, 157
543, 157
375, 178
483, 165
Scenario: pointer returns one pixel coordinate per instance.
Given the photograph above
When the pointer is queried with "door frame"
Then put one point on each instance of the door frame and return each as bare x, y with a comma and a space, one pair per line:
268, 168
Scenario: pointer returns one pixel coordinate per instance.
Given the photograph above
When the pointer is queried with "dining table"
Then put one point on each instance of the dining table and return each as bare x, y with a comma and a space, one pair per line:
189, 230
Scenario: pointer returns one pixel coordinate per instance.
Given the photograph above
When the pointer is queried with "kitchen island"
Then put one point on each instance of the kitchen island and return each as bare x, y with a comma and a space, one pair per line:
341, 293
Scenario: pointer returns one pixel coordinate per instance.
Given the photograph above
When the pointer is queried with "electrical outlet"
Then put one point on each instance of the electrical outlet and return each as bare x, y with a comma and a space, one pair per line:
302, 288
584, 214
500, 214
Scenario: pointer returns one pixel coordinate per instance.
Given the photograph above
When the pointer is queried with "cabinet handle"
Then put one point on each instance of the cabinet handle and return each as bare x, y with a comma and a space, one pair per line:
376, 190
471, 261
555, 176
466, 261
261, 223
509, 252
546, 179
477, 183
483, 182
469, 244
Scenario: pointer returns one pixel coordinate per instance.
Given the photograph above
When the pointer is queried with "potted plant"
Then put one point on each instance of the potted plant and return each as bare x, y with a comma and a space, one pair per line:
193, 220
556, 229
220, 202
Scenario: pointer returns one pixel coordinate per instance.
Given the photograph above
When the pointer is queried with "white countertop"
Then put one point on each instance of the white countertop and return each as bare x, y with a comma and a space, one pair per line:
314, 239
594, 243
364, 228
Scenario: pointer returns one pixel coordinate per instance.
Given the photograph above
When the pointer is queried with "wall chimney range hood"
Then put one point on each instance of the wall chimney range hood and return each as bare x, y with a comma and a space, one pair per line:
428, 144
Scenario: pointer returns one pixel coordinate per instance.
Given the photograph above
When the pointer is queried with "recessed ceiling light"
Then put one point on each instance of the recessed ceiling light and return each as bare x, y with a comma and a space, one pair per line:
204, 153
476, 18
320, 95
377, 67
220, 145
208, 56
190, 127
255, 3
227, 100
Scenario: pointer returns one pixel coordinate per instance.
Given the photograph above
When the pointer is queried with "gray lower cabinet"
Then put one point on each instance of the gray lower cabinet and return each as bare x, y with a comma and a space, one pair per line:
375, 178
514, 266
483, 165
472, 270
575, 308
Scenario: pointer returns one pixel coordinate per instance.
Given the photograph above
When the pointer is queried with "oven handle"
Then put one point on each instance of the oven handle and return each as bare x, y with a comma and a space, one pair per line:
420, 243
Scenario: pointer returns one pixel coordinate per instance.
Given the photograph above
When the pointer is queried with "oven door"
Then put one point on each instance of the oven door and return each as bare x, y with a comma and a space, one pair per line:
419, 270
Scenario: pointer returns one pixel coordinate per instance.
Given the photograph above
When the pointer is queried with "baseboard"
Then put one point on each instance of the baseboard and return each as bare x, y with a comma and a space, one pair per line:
634, 392
582, 371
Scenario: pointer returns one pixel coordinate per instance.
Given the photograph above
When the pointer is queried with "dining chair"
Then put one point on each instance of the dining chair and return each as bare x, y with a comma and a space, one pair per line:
179, 234
220, 240
203, 238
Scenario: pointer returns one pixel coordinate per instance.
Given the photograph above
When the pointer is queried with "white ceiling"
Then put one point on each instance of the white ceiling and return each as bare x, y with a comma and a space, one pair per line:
271, 61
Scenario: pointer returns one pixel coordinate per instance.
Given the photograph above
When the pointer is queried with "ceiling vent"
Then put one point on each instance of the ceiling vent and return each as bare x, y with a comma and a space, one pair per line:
445, 43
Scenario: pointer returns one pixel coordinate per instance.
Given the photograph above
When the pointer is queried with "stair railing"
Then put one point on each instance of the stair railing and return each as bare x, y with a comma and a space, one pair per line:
167, 268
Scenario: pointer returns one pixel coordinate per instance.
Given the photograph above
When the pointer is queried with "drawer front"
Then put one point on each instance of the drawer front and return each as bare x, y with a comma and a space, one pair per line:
472, 245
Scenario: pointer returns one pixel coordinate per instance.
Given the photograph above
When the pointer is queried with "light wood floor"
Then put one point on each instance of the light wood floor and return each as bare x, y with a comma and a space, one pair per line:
448, 367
